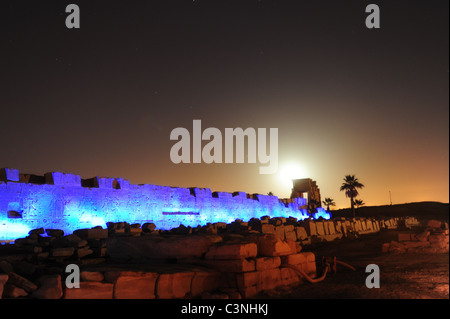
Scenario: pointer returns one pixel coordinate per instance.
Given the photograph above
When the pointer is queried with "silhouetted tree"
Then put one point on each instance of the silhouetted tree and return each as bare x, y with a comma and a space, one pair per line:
270, 194
359, 203
328, 202
350, 187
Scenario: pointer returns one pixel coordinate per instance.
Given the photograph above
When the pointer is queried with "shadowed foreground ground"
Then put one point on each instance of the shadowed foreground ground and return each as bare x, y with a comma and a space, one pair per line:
404, 276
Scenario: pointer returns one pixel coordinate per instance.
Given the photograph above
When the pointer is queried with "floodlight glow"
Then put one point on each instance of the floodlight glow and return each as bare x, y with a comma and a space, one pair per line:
71, 207
321, 212
290, 171
13, 230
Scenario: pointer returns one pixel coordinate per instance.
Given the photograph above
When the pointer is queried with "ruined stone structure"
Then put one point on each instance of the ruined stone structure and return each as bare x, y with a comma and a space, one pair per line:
68, 202
307, 185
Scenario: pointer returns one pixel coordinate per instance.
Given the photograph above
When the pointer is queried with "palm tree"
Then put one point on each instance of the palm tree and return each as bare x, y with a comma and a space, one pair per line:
350, 187
328, 202
359, 203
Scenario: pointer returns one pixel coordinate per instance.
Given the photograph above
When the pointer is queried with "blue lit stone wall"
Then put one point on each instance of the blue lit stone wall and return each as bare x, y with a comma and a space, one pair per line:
63, 203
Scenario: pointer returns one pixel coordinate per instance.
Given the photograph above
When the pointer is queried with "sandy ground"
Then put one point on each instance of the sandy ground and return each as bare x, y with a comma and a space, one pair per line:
402, 276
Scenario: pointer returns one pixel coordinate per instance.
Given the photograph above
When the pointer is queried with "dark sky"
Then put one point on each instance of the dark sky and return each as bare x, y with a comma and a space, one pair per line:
103, 99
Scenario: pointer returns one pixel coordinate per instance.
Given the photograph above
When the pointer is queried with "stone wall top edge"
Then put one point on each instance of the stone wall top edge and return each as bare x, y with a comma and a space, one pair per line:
11, 175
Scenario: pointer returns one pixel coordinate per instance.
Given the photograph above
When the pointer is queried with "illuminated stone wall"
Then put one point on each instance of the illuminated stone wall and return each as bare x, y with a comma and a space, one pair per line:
60, 201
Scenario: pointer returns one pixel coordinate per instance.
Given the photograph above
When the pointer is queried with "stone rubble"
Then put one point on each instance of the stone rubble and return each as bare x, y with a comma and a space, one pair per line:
218, 260
434, 239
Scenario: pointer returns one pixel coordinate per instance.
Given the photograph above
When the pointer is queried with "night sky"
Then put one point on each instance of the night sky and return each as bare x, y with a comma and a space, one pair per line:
102, 100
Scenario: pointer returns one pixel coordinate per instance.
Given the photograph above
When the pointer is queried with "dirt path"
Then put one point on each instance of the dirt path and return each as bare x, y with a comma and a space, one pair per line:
402, 276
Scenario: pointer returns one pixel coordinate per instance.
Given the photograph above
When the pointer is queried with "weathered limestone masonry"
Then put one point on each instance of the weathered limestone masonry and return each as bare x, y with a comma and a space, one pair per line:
308, 186
435, 238
67, 202
218, 260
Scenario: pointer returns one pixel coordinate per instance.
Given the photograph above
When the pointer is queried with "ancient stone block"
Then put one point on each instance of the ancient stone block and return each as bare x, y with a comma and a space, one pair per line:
232, 265
377, 225
301, 233
63, 252
293, 246
363, 225
12, 291
148, 227
62, 179
404, 236
269, 279
331, 227
179, 246
91, 233
439, 244
344, 229
134, 231
174, 285
264, 263
68, 241
205, 281
84, 251
232, 251
55, 232
310, 227
247, 279
3, 280
288, 228
325, 227
310, 257
275, 221
135, 285
396, 247
248, 292
279, 231
9, 174
309, 268
437, 237
320, 228
295, 259
90, 290
289, 276
267, 229
21, 282
265, 219
42, 256
270, 245
50, 287
37, 231
290, 235
92, 276
434, 223
338, 226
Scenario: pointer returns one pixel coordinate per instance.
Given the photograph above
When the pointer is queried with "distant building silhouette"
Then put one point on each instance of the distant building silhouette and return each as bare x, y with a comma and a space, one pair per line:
307, 188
